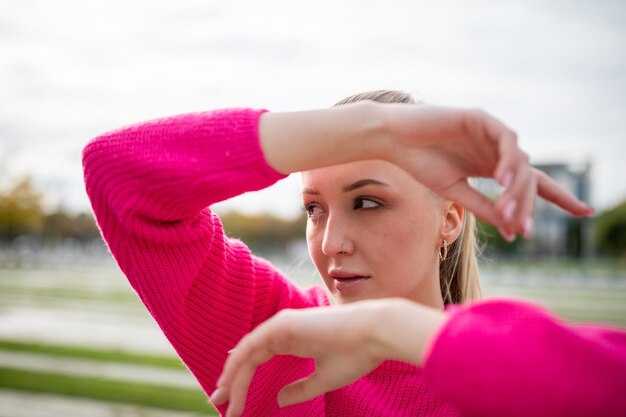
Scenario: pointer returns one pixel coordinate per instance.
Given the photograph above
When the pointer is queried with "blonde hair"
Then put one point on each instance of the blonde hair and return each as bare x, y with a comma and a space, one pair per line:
459, 279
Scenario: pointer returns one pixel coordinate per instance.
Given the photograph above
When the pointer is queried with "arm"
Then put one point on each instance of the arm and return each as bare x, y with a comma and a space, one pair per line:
506, 357
458, 143
346, 341
490, 358
149, 185
440, 147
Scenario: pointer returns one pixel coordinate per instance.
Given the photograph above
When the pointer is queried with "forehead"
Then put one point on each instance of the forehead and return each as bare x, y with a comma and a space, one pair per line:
338, 176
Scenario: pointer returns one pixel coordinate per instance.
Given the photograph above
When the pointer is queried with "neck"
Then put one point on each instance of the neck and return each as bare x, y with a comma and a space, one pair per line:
429, 294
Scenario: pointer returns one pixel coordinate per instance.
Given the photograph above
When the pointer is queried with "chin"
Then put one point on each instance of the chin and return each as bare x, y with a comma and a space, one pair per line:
350, 298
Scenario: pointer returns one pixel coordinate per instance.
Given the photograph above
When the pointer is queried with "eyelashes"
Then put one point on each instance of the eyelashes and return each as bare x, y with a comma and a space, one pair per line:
315, 210
312, 210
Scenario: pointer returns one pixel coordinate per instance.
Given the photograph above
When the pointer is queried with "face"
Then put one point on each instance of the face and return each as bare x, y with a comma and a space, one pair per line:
373, 232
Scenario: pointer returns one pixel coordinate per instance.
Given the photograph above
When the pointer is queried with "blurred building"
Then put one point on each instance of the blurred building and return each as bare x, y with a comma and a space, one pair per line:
555, 232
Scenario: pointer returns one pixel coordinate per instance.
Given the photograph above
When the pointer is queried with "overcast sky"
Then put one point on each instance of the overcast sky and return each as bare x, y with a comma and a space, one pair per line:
553, 70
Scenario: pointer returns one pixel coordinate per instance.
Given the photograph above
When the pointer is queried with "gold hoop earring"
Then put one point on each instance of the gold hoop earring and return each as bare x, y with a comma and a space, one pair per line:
443, 251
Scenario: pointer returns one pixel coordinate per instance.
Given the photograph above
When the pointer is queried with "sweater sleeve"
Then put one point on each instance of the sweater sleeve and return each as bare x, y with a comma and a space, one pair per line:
150, 186
505, 357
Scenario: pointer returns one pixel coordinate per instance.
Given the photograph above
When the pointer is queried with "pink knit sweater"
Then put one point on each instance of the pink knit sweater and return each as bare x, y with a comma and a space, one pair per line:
150, 186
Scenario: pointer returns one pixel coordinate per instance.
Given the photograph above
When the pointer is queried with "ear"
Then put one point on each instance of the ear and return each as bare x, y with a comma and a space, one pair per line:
452, 225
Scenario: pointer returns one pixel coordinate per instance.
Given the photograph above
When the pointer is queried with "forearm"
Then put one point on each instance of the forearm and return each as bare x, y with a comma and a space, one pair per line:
300, 141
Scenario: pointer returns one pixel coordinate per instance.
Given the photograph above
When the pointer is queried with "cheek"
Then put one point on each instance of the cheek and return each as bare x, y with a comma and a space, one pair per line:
409, 242
314, 243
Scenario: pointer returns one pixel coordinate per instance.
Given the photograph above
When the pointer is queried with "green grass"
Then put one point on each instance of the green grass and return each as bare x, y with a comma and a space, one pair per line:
124, 296
109, 355
575, 304
589, 269
101, 389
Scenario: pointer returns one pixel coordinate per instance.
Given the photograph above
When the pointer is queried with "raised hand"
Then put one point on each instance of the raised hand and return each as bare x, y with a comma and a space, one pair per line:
443, 147
346, 341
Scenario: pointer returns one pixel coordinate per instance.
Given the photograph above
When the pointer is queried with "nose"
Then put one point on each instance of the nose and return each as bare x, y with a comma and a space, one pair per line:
336, 237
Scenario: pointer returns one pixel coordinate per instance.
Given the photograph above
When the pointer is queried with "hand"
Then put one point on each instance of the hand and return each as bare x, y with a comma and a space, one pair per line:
443, 147
347, 342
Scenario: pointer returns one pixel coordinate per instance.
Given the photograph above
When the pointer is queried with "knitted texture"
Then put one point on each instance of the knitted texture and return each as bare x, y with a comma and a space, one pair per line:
150, 187
506, 357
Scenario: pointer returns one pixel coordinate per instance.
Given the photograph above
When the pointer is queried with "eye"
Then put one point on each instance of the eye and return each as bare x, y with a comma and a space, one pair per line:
366, 204
312, 210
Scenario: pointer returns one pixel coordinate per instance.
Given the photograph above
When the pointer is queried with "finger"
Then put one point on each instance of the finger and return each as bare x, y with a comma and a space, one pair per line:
553, 192
508, 157
220, 395
230, 369
250, 346
527, 206
507, 151
242, 376
304, 389
250, 352
472, 200
513, 204
238, 390
525, 198
275, 336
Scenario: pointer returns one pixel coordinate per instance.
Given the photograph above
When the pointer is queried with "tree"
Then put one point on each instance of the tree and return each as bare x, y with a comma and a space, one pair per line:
492, 242
20, 210
610, 228
60, 225
263, 230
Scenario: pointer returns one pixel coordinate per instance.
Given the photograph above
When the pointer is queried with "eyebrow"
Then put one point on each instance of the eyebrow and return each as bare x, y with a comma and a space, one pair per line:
310, 191
363, 183
347, 188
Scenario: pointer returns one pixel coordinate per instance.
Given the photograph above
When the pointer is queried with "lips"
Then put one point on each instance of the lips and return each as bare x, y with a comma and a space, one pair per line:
346, 280
344, 275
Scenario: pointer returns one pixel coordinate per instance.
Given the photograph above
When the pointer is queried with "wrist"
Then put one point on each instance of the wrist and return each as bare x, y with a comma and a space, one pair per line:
406, 329
372, 130
388, 319
424, 330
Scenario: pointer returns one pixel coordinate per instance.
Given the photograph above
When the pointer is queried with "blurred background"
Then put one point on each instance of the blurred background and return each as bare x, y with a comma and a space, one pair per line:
74, 339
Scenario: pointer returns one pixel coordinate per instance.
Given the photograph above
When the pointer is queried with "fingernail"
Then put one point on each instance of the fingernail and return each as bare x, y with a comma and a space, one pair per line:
507, 179
215, 396
509, 237
527, 228
509, 208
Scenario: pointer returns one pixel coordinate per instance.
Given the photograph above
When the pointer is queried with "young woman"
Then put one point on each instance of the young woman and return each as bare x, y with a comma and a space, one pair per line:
385, 187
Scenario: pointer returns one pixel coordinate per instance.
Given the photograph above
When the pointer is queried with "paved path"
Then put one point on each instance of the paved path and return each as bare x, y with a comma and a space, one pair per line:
110, 370
23, 404
87, 328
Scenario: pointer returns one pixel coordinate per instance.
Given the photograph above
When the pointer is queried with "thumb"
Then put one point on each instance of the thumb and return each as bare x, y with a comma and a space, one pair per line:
304, 389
